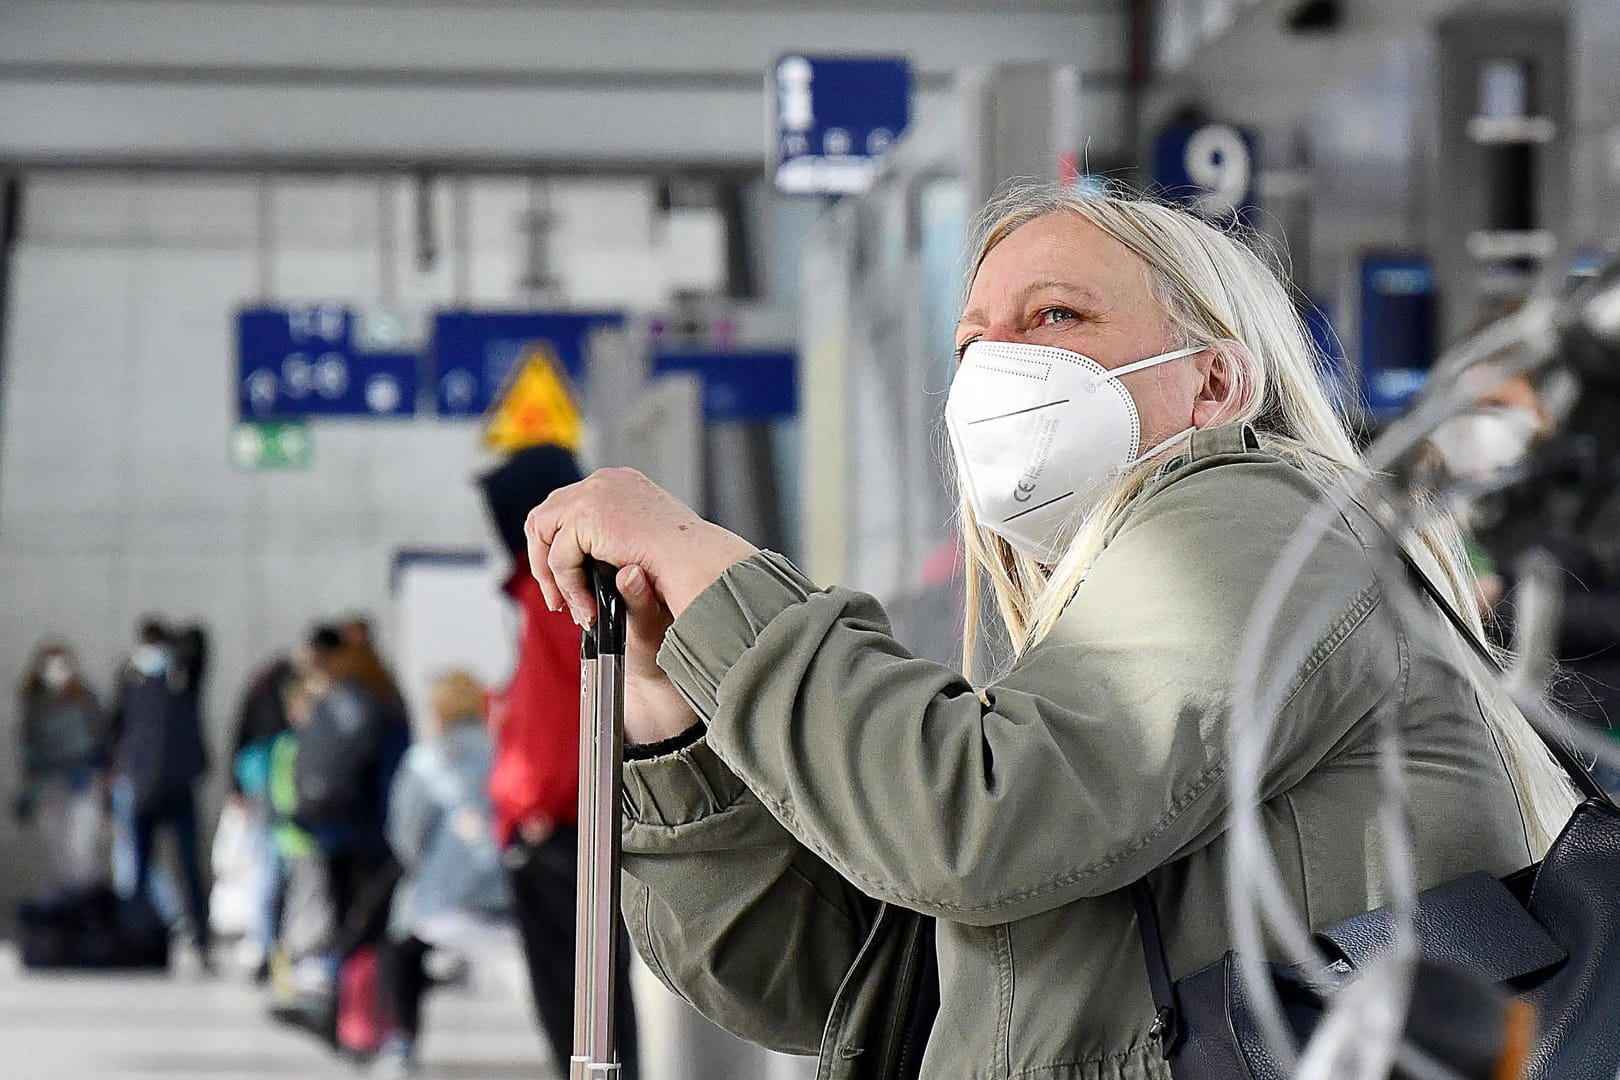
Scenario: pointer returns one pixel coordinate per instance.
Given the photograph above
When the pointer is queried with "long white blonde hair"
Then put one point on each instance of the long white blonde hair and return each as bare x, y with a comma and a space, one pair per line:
1218, 292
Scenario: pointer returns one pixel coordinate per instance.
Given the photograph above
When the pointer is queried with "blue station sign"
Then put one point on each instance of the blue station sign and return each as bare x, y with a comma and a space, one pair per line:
476, 350
1397, 328
741, 384
834, 117
300, 362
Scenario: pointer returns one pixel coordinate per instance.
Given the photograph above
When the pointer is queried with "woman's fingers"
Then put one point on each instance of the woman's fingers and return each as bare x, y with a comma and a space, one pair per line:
557, 553
539, 557
566, 559
632, 583
649, 617
619, 517
654, 708
566, 530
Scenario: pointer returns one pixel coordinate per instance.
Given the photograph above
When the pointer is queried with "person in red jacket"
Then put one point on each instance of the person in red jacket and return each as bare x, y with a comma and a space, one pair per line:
534, 783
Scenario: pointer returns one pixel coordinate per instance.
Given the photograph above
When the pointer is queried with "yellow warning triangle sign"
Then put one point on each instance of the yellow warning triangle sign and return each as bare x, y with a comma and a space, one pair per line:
535, 406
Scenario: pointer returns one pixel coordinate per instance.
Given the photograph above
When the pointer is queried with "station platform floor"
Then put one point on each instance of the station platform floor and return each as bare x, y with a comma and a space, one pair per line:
187, 1026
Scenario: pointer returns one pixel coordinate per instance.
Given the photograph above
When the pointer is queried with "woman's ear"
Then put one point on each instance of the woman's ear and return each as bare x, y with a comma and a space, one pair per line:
1223, 390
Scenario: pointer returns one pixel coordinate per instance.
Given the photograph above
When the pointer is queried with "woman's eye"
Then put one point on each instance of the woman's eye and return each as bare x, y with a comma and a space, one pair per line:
1054, 316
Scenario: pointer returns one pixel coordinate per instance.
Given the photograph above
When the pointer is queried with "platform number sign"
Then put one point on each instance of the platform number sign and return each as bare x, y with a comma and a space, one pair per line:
1210, 167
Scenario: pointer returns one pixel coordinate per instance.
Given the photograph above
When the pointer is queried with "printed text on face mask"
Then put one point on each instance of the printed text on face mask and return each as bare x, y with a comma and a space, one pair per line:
1045, 434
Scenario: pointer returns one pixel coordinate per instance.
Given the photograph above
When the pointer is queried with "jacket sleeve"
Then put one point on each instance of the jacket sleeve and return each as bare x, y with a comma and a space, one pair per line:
728, 910
1100, 757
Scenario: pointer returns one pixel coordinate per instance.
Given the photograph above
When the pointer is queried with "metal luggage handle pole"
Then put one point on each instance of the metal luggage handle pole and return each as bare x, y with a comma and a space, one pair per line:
601, 758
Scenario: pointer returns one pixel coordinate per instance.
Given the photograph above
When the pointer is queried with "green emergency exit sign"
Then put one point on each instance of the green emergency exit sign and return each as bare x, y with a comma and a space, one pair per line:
265, 446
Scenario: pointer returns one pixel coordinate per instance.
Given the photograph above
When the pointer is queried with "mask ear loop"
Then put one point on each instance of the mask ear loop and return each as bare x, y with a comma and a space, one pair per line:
1141, 365
1162, 358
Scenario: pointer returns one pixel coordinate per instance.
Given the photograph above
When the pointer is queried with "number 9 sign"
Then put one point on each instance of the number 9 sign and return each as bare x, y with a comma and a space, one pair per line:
1217, 159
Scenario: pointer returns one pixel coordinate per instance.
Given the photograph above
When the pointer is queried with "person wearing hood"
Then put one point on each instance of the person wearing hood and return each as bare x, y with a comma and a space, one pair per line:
534, 782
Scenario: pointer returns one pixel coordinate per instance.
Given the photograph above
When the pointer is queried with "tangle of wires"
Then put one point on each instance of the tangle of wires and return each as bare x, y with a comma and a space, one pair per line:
1563, 493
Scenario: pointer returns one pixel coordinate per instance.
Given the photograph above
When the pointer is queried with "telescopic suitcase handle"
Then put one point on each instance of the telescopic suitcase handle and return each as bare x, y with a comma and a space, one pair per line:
601, 758
606, 634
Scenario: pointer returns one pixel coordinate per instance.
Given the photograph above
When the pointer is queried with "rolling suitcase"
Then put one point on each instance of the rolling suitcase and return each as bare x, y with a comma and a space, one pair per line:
90, 929
601, 757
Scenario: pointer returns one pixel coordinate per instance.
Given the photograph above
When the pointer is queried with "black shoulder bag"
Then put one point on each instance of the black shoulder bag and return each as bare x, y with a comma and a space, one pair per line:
1548, 937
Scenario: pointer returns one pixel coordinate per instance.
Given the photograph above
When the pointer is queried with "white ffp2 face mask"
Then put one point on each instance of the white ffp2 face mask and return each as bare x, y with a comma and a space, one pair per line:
1039, 434
57, 672
1480, 443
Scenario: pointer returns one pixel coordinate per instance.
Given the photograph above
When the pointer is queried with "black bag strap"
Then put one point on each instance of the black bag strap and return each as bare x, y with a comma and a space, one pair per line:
1167, 1023
1578, 773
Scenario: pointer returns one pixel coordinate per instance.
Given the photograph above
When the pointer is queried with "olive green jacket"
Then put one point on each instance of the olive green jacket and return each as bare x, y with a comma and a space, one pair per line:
774, 869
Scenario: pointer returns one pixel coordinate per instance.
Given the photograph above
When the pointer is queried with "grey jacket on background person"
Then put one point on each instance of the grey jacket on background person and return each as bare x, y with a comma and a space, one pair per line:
776, 869
439, 827
63, 735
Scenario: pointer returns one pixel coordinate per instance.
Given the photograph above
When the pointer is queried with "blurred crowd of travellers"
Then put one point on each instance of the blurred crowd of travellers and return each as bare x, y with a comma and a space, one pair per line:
354, 868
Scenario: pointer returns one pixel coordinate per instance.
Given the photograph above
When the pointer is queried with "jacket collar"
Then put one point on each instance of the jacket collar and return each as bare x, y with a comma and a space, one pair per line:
1219, 441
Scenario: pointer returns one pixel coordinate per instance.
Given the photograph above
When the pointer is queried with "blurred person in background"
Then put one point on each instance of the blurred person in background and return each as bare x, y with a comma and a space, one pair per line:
348, 753
64, 761
1497, 433
1507, 434
157, 729
300, 974
441, 829
261, 720
535, 782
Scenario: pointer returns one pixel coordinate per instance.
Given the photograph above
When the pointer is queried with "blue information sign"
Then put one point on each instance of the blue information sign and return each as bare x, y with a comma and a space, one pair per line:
834, 117
302, 362
1210, 167
759, 385
475, 350
1397, 328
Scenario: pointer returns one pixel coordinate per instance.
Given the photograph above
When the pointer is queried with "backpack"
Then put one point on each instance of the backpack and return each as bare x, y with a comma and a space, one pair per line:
337, 751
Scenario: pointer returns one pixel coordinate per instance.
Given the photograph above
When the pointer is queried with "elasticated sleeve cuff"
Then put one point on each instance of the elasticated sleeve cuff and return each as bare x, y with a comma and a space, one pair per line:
678, 789
647, 751
725, 620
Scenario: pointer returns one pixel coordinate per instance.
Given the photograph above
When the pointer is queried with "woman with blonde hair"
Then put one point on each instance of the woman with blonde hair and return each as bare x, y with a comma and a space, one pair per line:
1139, 429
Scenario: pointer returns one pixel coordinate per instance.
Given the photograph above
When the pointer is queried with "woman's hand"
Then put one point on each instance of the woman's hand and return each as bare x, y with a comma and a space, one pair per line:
620, 517
653, 709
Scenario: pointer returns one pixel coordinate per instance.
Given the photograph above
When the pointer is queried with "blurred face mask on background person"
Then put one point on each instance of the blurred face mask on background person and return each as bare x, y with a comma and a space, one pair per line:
1039, 435
57, 672
150, 660
1482, 442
